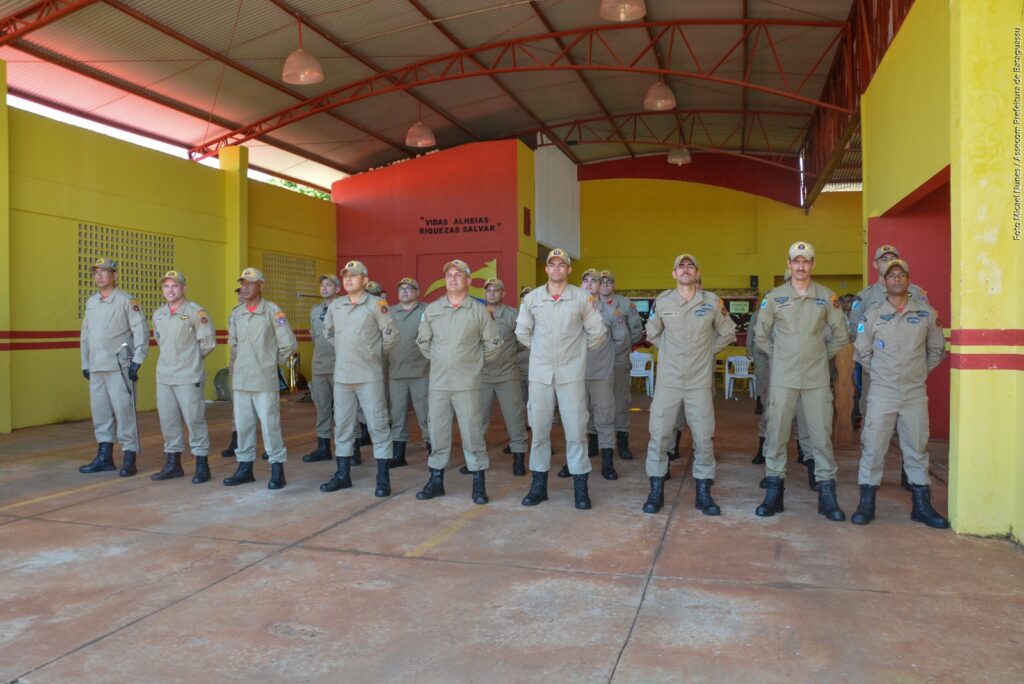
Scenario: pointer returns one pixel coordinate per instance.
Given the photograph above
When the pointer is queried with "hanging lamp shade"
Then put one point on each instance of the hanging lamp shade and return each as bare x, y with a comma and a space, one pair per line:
623, 10
300, 67
420, 135
659, 97
680, 156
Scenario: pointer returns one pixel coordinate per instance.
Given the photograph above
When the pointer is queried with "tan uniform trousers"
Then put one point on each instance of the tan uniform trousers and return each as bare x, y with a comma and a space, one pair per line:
572, 408
464, 405
348, 398
179, 404
113, 412
403, 392
265, 407
601, 404
907, 411
781, 409
799, 427
623, 396
513, 410
666, 407
322, 391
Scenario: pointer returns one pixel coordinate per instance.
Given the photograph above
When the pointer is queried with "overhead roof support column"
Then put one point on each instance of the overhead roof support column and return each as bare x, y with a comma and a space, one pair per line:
5, 256
234, 166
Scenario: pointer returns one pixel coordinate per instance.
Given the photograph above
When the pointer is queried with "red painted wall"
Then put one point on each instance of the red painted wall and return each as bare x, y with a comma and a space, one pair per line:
921, 231
410, 218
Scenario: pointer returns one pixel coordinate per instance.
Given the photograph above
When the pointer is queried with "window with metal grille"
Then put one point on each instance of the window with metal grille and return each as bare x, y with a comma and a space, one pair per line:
290, 282
141, 259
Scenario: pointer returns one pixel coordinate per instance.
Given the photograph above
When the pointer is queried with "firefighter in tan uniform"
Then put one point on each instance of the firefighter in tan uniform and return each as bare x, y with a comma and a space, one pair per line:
183, 331
791, 329
261, 339
114, 343
624, 314
689, 326
558, 322
501, 377
408, 372
322, 386
459, 336
359, 325
900, 341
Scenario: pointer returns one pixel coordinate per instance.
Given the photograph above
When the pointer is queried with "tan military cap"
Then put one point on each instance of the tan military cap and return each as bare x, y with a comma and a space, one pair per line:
897, 262
592, 272
411, 282
607, 274
525, 291
685, 257
252, 275
887, 249
374, 288
561, 254
494, 282
173, 275
459, 264
804, 249
106, 263
355, 267
329, 276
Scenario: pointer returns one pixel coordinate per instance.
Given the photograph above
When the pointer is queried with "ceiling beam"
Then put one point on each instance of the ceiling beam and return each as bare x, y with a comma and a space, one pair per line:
372, 66
23, 22
241, 68
505, 89
170, 103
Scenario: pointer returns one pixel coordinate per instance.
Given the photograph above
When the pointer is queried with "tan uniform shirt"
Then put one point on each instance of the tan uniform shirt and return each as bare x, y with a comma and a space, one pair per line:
870, 297
262, 340
505, 365
457, 340
900, 347
601, 359
405, 360
625, 314
323, 350
186, 337
791, 331
109, 324
558, 333
362, 333
688, 334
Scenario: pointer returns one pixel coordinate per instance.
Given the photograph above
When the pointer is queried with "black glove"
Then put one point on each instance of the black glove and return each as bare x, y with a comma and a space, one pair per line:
86, 374
133, 372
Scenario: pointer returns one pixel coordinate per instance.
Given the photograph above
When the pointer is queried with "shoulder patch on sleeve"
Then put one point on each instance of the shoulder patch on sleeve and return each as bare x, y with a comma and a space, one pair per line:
860, 327
281, 318
204, 317
856, 303
382, 305
835, 302
135, 305
764, 302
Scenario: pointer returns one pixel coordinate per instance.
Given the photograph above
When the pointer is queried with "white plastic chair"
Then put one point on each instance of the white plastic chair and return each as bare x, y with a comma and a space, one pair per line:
642, 366
738, 368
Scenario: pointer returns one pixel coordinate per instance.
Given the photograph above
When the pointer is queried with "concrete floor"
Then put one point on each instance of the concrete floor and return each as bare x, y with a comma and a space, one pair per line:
125, 580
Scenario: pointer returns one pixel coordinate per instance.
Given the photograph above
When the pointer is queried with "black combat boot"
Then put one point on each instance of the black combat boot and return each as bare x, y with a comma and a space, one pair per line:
242, 474
128, 465
865, 512
104, 459
759, 457
434, 486
341, 478
430, 449
592, 447
564, 472
763, 484
774, 498
479, 488
800, 458
827, 504
202, 470
364, 435
622, 442
518, 464
922, 510
321, 453
357, 458
538, 489
507, 449
172, 467
674, 454
277, 480
812, 482
904, 480
759, 407
265, 456
607, 467
656, 499
230, 451
398, 455
579, 490
668, 471
704, 503
383, 478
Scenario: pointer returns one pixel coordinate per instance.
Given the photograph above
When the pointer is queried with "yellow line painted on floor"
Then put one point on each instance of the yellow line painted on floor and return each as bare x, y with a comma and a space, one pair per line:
447, 533
72, 490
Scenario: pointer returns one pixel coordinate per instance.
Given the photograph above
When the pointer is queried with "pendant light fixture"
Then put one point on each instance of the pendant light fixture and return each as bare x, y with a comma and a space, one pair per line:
419, 134
623, 10
301, 68
659, 97
679, 156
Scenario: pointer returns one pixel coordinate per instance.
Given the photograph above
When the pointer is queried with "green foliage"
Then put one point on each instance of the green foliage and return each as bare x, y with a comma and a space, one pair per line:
303, 189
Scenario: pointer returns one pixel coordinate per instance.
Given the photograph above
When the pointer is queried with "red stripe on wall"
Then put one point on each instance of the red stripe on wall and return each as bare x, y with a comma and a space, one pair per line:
38, 334
1012, 337
987, 361
25, 346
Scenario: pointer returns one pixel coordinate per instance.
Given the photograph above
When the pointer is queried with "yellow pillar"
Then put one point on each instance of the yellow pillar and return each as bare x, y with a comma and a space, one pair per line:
987, 168
5, 254
234, 166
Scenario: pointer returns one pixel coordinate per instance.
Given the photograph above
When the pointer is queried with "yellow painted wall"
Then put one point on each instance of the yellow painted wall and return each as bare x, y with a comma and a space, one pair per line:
61, 176
635, 227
